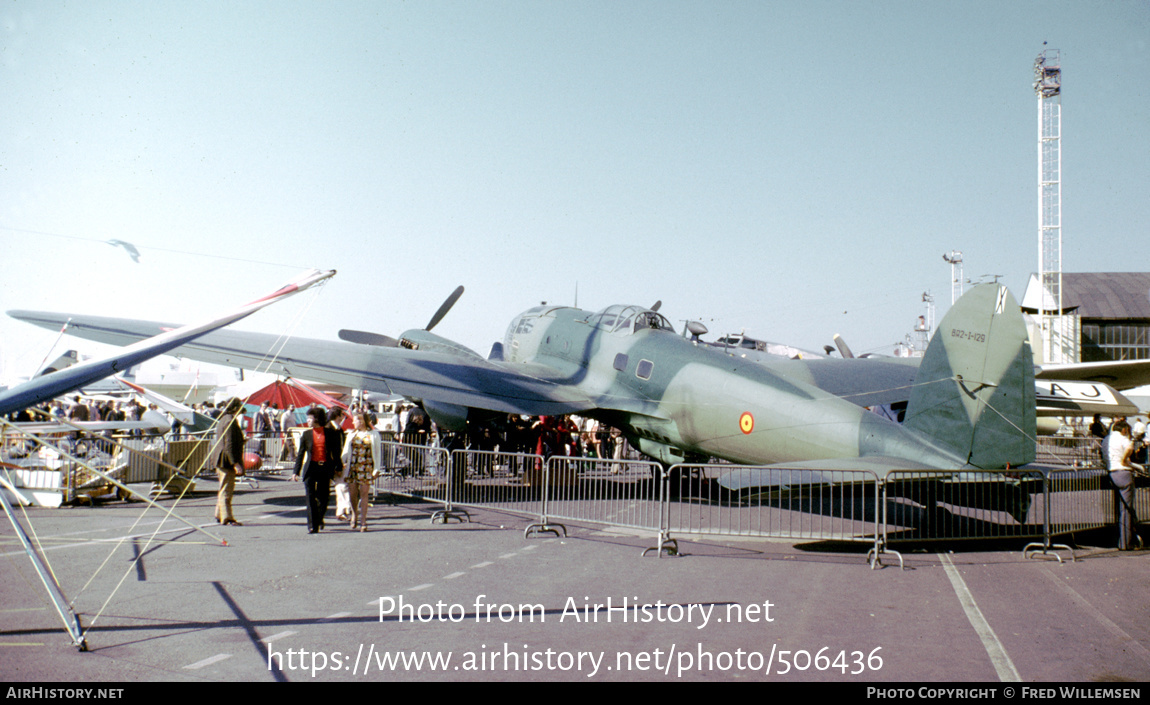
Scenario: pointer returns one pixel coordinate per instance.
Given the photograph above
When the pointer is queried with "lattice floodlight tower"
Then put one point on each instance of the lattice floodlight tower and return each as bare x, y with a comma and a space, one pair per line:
1059, 332
954, 259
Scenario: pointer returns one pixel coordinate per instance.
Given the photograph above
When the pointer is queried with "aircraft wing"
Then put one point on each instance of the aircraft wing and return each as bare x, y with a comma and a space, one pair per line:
189, 417
439, 375
156, 341
1122, 375
40, 428
1064, 398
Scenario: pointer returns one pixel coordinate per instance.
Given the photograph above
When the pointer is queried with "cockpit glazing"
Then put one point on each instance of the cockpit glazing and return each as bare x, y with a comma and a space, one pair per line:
628, 319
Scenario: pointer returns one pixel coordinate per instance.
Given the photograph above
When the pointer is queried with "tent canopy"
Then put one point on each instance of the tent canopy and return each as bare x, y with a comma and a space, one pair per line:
292, 391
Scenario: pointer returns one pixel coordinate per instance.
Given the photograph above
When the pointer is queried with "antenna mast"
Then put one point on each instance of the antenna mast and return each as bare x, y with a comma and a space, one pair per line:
954, 259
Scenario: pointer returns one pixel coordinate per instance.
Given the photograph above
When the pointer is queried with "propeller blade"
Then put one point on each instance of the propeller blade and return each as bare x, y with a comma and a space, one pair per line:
367, 338
657, 305
445, 308
844, 350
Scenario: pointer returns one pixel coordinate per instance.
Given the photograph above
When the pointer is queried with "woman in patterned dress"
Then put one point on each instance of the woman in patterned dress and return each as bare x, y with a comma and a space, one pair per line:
361, 457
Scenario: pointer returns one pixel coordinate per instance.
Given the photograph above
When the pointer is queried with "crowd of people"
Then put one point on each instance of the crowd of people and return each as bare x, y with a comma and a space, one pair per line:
80, 409
572, 436
344, 450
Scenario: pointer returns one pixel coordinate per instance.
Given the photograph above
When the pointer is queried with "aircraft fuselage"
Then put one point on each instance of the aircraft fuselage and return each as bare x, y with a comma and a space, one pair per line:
676, 399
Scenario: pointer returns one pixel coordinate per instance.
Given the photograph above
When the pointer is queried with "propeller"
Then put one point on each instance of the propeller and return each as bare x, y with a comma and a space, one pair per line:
447, 304
844, 350
364, 337
656, 306
378, 339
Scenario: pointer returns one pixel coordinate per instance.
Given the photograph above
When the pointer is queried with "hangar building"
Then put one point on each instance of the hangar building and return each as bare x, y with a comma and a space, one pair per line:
1110, 310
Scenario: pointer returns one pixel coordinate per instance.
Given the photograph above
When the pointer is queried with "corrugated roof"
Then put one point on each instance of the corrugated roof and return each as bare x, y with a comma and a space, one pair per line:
1107, 294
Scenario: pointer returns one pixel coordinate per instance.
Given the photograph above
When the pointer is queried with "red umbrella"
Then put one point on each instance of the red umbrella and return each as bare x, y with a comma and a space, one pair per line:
294, 392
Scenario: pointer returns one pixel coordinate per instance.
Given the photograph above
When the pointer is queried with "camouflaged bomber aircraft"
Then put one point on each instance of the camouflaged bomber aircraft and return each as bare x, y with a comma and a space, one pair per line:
972, 405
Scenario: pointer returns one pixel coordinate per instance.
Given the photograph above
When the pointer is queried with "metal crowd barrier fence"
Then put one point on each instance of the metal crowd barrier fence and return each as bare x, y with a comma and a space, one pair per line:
1088, 499
1079, 500
932, 505
46, 470
1040, 504
739, 500
614, 492
36, 472
1142, 498
1069, 451
137, 460
734, 500
414, 471
508, 482
278, 448
622, 493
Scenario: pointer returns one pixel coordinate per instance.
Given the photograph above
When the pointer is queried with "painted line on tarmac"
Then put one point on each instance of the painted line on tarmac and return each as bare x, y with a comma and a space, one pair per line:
1128, 642
126, 525
24, 609
1003, 666
206, 662
459, 574
337, 615
113, 539
273, 637
377, 602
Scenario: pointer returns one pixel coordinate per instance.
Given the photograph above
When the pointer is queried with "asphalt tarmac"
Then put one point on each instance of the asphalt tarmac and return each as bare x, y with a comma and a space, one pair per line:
414, 601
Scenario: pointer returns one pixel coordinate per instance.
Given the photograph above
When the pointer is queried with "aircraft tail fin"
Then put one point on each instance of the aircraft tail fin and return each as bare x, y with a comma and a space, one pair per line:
974, 392
66, 360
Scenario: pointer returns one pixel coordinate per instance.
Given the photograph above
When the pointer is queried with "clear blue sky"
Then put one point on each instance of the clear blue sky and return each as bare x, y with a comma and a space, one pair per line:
796, 169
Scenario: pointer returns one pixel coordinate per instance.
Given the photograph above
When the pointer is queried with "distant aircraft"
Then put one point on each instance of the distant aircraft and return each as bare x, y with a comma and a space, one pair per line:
972, 404
66, 359
157, 342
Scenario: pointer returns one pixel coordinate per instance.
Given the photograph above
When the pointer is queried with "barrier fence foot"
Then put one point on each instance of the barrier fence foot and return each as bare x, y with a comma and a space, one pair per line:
544, 528
444, 516
1047, 551
668, 546
874, 557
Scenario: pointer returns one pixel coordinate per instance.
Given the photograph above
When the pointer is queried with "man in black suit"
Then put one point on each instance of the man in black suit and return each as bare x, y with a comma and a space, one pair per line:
321, 445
